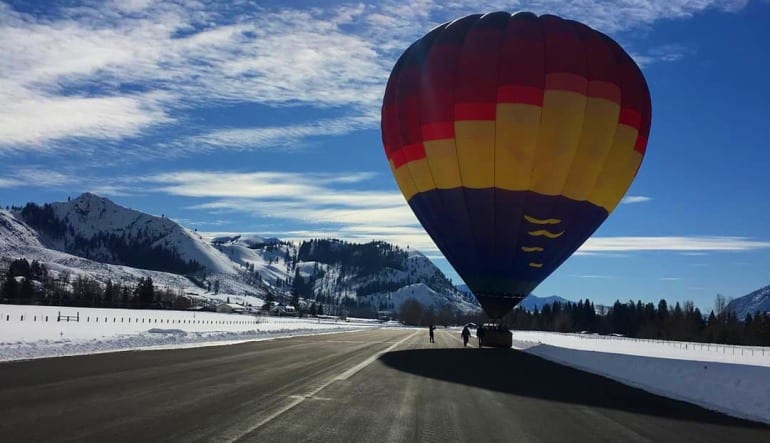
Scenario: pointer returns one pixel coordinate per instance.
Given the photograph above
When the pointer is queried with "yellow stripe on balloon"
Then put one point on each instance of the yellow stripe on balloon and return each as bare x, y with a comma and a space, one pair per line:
618, 169
544, 233
596, 140
546, 221
404, 180
515, 144
442, 157
560, 128
475, 141
535, 265
421, 174
532, 249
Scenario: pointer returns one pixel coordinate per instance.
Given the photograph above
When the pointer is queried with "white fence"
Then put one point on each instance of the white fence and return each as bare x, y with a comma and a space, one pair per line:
647, 347
31, 323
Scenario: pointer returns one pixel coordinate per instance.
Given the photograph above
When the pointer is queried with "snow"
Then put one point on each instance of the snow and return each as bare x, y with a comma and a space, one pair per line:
38, 331
731, 379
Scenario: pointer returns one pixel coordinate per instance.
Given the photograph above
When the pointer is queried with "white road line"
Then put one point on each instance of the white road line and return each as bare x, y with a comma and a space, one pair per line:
344, 376
352, 371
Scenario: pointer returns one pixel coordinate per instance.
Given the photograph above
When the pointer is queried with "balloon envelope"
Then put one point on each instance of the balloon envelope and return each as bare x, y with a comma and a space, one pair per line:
513, 137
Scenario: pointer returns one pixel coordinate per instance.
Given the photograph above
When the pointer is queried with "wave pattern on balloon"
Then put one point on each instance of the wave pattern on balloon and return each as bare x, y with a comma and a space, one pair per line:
513, 137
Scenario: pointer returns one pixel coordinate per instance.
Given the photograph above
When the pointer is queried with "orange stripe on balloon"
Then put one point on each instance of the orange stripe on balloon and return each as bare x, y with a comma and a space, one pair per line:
438, 130
606, 90
398, 158
520, 94
476, 111
630, 117
414, 152
564, 81
407, 154
641, 145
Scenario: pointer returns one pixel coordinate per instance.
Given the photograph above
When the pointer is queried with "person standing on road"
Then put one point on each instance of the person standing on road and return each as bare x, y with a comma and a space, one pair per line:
430, 331
466, 334
480, 334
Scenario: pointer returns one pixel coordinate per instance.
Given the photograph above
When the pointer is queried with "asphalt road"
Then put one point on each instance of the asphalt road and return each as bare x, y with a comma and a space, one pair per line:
386, 385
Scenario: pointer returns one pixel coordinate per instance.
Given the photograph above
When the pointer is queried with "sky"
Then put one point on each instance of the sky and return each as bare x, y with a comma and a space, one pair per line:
263, 117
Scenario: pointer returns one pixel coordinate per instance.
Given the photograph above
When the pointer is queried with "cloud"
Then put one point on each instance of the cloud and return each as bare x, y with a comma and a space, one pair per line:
670, 279
665, 53
43, 178
629, 199
618, 244
287, 137
339, 205
121, 69
592, 276
9, 183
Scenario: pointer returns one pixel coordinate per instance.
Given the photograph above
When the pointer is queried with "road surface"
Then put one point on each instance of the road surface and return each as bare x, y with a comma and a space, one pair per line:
386, 385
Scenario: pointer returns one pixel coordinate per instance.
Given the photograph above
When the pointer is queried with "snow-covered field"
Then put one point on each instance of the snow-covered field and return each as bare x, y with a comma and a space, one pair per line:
48, 331
730, 379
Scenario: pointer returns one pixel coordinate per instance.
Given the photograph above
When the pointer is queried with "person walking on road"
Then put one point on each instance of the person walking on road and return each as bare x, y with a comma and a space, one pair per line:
480, 334
431, 328
466, 334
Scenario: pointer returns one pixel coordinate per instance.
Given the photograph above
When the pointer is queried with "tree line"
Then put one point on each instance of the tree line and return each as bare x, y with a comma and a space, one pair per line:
31, 283
683, 322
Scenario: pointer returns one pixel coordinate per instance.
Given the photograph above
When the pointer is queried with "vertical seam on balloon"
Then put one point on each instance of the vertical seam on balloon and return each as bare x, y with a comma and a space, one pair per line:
397, 103
496, 247
557, 258
474, 244
427, 159
528, 191
565, 256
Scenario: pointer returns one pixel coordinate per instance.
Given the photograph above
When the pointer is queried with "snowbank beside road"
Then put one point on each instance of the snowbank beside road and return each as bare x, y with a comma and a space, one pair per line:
47, 331
727, 379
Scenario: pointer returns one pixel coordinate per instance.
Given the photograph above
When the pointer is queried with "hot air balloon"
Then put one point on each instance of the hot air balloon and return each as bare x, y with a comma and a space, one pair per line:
513, 137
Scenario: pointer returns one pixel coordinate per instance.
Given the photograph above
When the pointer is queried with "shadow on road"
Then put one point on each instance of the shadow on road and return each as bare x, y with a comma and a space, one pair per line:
518, 373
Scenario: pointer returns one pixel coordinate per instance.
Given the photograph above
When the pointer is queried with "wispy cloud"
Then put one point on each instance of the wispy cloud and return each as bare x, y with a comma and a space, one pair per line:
617, 244
592, 276
287, 137
666, 53
629, 199
112, 70
9, 183
670, 279
338, 204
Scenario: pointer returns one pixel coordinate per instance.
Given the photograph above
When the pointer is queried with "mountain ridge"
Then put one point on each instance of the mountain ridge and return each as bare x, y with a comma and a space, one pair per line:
94, 236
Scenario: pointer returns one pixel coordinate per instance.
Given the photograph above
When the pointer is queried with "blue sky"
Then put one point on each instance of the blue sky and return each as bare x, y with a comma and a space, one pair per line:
264, 117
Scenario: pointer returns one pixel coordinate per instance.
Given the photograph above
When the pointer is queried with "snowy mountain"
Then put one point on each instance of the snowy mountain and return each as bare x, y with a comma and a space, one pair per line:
93, 236
530, 303
95, 228
757, 301
363, 278
533, 302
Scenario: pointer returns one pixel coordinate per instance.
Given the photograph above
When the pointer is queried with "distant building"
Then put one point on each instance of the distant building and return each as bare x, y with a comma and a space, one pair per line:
284, 310
231, 308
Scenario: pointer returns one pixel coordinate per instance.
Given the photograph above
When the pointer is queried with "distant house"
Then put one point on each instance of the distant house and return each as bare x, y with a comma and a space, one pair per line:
283, 310
231, 308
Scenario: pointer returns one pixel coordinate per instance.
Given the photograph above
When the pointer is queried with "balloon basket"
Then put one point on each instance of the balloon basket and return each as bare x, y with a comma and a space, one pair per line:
496, 335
